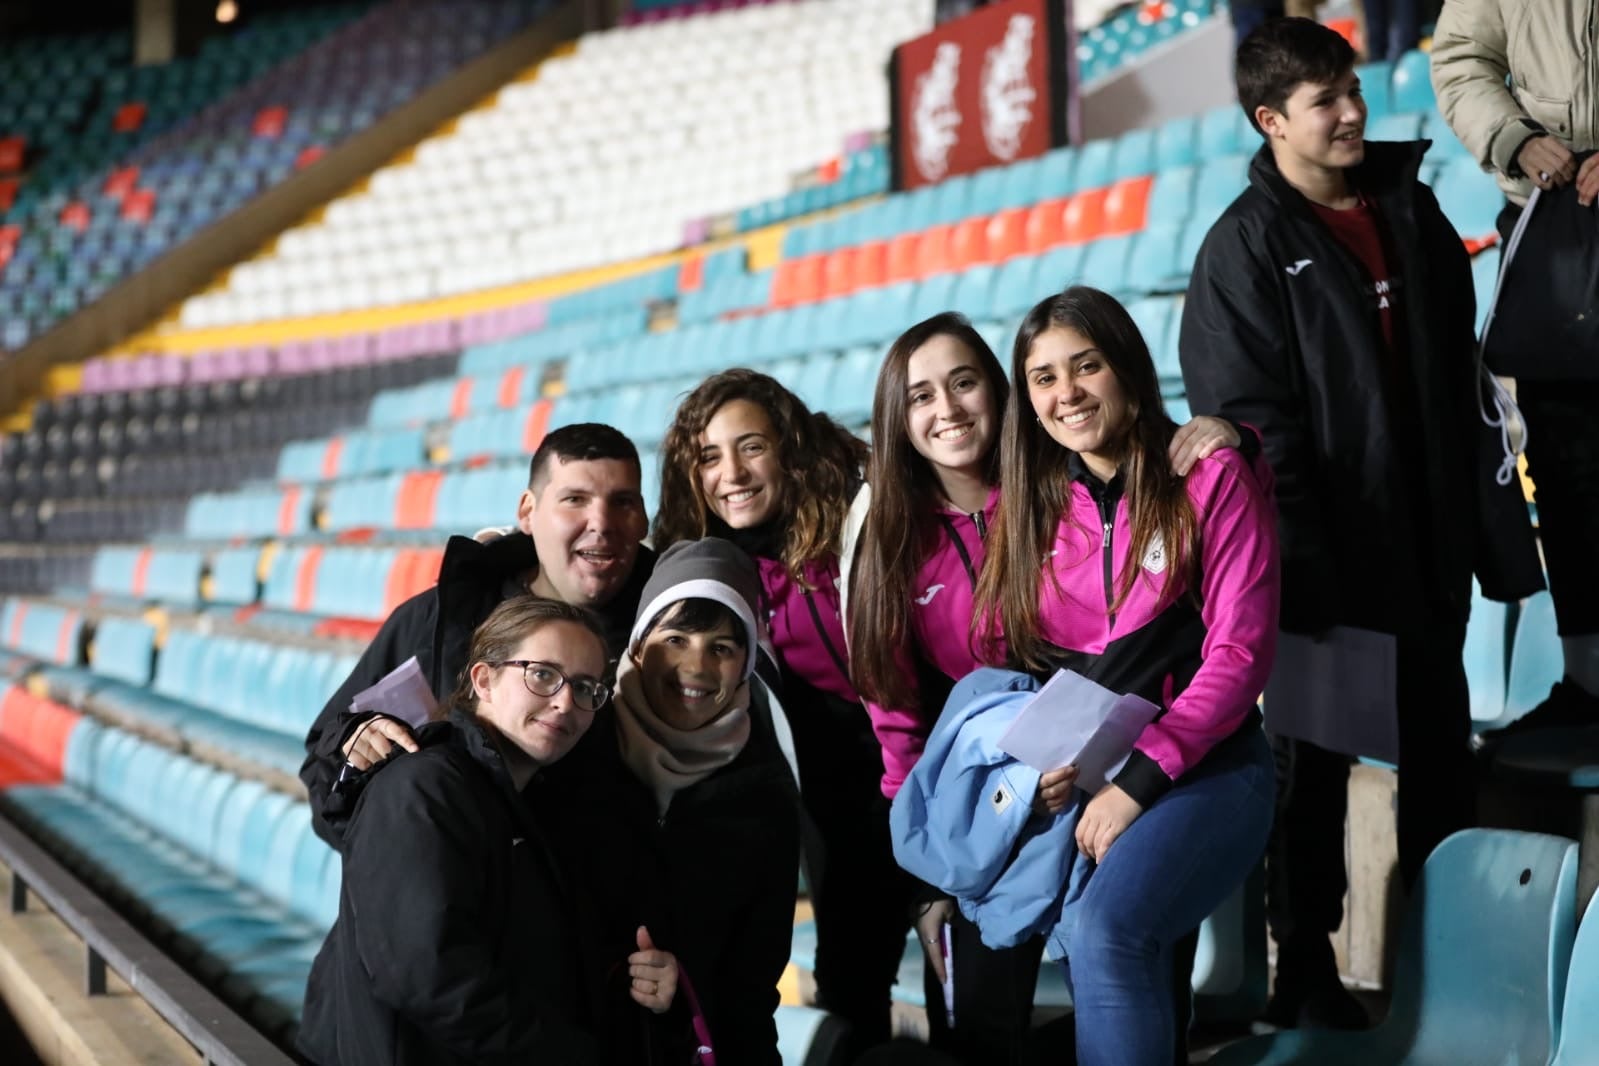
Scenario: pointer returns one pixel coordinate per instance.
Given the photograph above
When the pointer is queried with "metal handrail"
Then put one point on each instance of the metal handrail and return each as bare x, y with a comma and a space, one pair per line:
109, 940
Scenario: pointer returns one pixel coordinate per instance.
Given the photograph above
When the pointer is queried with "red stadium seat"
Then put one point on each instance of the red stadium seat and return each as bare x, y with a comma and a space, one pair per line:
838, 273
538, 420
691, 274
1084, 218
1007, 234
968, 244
1127, 206
138, 205
305, 581
270, 121
129, 117
12, 149
871, 264
933, 253
900, 263
1044, 226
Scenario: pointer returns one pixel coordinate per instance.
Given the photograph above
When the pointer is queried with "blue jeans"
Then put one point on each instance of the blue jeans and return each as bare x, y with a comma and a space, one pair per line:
1160, 879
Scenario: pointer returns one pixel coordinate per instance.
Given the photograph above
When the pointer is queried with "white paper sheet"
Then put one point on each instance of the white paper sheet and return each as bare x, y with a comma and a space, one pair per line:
402, 693
1075, 720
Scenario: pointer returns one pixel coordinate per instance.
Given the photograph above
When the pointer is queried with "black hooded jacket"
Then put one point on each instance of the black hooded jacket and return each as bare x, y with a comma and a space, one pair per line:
436, 626
713, 880
455, 941
1385, 490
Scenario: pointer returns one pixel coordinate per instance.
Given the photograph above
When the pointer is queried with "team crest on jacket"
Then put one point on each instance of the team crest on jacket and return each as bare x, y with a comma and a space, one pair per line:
1007, 96
1155, 555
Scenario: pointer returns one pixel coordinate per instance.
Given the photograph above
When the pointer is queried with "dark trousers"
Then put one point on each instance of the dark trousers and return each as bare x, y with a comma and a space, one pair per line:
1247, 17
1393, 27
1563, 460
993, 999
994, 990
1305, 875
862, 901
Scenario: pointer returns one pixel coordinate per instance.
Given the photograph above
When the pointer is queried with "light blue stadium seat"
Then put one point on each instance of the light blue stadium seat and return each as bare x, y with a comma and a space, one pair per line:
1445, 145
1536, 659
1376, 85
1024, 183
1105, 264
1177, 409
1153, 264
1399, 126
1470, 198
952, 200
1579, 1017
933, 296
1487, 637
987, 193
1095, 161
1412, 83
1484, 274
1175, 143
1171, 198
1218, 185
1224, 131
998, 335
1058, 268
1058, 173
814, 383
1015, 287
1133, 154
124, 648
1481, 969
974, 291
1156, 318
854, 384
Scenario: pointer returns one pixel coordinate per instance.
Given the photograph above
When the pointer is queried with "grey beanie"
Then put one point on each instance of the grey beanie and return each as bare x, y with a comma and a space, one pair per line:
705, 569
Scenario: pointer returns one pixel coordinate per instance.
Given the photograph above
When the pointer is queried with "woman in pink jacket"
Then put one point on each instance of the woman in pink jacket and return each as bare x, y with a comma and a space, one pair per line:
1154, 584
937, 416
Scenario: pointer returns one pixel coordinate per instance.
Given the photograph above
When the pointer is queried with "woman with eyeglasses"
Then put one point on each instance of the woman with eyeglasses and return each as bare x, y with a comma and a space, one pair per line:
455, 938
688, 823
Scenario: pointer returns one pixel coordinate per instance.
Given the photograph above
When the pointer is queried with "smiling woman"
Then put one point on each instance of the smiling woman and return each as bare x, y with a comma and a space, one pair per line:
746, 460
685, 814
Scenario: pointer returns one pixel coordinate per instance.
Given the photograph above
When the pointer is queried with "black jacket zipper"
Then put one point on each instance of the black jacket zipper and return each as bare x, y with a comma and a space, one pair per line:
1107, 516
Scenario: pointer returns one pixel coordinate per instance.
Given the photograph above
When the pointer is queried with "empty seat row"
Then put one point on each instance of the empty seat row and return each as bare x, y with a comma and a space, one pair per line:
222, 872
337, 581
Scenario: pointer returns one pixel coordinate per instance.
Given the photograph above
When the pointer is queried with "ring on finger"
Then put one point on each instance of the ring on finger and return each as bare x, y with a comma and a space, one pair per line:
1543, 175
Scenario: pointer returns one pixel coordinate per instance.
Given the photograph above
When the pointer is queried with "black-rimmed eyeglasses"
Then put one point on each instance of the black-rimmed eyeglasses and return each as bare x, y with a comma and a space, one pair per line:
546, 679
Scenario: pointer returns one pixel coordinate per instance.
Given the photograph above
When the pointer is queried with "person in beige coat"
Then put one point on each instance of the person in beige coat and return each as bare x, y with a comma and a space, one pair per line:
1518, 82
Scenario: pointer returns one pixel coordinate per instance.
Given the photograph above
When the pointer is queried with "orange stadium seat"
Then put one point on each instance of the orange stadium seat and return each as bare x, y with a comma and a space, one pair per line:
1045, 225
1127, 205
1084, 218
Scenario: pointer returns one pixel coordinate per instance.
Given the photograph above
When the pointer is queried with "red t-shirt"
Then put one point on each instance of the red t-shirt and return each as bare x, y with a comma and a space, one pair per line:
1360, 230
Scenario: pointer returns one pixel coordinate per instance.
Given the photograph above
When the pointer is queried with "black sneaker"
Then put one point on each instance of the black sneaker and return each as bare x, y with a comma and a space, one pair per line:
1309, 994
1567, 706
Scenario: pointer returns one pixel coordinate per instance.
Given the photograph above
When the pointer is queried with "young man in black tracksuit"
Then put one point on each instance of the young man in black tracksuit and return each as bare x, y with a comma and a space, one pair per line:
1331, 307
579, 524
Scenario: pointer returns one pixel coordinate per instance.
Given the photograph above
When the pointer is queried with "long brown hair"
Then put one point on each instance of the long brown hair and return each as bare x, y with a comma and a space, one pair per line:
820, 461
902, 527
1033, 467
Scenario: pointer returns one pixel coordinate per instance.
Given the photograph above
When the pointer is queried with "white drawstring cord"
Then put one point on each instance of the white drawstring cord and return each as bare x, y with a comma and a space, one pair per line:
1504, 406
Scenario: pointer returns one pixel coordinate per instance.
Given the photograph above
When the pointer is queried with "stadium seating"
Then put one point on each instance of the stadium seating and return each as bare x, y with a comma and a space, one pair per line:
324, 76
1489, 902
248, 514
624, 182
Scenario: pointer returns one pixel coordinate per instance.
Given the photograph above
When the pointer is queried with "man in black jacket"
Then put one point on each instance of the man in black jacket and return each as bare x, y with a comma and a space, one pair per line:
1331, 307
579, 524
